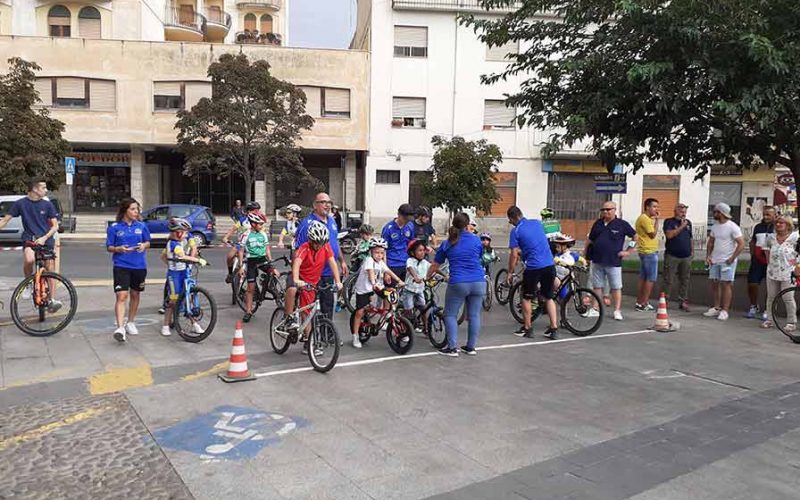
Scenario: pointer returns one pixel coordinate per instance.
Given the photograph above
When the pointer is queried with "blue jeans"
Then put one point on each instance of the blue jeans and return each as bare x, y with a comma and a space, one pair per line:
456, 294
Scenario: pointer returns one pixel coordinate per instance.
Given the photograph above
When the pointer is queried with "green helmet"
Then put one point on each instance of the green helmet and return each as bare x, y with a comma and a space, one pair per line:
547, 213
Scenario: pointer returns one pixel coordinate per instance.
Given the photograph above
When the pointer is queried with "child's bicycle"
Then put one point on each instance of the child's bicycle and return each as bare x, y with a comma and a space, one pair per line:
194, 306
501, 286
323, 344
268, 286
347, 297
45, 302
399, 330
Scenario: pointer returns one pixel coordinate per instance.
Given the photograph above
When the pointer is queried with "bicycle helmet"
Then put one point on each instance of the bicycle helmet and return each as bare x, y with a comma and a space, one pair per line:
547, 213
486, 236
178, 224
377, 242
423, 211
256, 217
563, 239
318, 232
293, 207
413, 245
365, 229
253, 205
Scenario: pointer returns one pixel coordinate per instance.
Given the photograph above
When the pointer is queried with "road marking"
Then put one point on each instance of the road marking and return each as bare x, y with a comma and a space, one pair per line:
81, 283
373, 361
218, 368
118, 379
48, 428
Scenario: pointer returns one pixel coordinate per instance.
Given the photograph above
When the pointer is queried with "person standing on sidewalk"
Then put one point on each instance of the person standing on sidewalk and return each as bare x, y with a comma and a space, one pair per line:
724, 246
128, 239
678, 253
758, 261
398, 233
782, 258
646, 230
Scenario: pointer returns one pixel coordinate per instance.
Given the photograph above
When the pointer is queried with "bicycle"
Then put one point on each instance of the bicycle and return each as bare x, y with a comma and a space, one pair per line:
577, 304
399, 330
35, 301
194, 305
324, 337
268, 286
780, 315
487, 298
501, 286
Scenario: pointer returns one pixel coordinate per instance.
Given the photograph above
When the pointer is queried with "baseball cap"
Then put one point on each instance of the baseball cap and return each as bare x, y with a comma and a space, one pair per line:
406, 209
724, 209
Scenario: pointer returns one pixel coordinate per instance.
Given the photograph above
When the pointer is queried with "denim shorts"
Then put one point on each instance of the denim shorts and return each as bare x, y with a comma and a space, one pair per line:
600, 273
722, 272
648, 270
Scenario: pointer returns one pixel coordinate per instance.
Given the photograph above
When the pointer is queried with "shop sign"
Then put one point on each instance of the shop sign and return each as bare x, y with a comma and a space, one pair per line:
611, 178
785, 179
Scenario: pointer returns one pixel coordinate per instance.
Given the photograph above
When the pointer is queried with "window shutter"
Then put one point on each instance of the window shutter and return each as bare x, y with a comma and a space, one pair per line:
337, 100
58, 21
103, 95
250, 22
70, 88
408, 107
501, 53
89, 28
410, 36
266, 23
497, 114
196, 91
313, 101
167, 88
44, 86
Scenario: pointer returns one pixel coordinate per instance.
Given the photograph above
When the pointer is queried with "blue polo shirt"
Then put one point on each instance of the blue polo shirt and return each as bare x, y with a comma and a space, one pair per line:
302, 236
681, 245
122, 234
530, 238
398, 239
464, 258
608, 241
36, 216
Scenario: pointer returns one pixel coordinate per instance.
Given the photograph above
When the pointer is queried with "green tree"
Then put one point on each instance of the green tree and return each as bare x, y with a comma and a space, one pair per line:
462, 175
250, 125
691, 83
31, 144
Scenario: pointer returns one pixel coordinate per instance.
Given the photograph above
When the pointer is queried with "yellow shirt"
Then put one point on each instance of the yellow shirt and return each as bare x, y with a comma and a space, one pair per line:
644, 225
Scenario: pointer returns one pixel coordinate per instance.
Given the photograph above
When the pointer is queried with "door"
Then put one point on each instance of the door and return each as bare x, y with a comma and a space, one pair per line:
156, 220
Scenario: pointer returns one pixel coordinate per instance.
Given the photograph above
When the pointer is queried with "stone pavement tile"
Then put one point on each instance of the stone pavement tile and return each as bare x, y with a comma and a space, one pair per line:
24, 370
347, 491
622, 476
557, 487
499, 488
300, 479
224, 479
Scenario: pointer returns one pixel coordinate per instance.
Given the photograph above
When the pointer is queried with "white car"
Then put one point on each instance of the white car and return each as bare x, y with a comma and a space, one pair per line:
13, 230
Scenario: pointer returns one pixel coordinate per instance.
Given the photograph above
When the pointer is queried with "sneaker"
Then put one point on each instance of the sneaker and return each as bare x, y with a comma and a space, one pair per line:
529, 334
54, 306
684, 306
639, 307
469, 352
648, 307
766, 324
722, 316
196, 328
130, 329
751, 313
522, 331
791, 327
551, 333
764, 316
246, 317
446, 351
356, 342
165, 331
162, 310
712, 313
27, 293
119, 334
592, 313
618, 315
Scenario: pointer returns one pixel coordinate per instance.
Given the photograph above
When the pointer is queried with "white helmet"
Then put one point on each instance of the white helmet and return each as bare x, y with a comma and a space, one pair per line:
318, 232
293, 207
377, 242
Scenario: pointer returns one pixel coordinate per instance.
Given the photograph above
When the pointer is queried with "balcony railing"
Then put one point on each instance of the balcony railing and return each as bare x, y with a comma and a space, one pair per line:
255, 37
265, 4
448, 5
190, 20
218, 17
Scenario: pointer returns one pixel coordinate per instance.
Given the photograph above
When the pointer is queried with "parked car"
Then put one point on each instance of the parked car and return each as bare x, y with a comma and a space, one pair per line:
13, 230
204, 224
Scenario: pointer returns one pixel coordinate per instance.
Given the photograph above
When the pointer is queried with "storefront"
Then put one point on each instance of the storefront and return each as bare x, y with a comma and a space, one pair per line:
102, 179
747, 192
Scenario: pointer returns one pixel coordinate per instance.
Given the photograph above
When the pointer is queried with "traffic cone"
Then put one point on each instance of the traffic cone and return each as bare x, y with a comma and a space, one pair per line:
237, 369
663, 323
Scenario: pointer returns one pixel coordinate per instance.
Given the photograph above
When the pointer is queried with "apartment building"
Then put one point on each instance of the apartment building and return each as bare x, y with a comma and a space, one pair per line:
116, 73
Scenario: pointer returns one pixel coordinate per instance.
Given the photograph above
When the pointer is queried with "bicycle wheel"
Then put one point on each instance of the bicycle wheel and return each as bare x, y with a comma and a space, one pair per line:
349, 293
400, 335
279, 338
364, 331
437, 334
786, 300
578, 314
487, 299
241, 296
42, 318
515, 304
195, 317
277, 288
234, 281
501, 287
323, 349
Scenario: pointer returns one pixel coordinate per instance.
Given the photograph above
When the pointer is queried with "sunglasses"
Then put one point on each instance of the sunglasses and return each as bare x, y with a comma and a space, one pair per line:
323, 202
607, 209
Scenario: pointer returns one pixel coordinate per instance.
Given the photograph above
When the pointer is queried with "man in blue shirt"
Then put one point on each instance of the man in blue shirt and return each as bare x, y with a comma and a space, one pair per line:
398, 233
322, 213
678, 254
528, 240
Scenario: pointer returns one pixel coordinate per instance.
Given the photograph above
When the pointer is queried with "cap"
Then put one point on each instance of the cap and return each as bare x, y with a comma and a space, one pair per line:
724, 209
406, 209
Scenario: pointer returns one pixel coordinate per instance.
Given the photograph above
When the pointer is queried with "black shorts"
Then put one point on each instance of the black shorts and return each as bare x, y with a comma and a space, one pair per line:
538, 279
129, 279
363, 300
252, 268
400, 272
757, 272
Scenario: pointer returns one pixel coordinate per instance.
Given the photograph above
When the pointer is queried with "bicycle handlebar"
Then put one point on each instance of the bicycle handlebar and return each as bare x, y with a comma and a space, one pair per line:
284, 258
189, 262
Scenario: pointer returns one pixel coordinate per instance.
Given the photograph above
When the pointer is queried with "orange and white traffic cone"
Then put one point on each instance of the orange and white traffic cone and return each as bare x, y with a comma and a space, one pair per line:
663, 323
237, 369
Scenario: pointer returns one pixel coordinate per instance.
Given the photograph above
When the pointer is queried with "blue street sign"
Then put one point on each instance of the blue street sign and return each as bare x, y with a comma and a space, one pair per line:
611, 187
69, 165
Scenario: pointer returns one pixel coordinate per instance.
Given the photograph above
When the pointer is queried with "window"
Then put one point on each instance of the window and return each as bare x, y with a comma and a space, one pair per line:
89, 23
575, 201
506, 185
167, 96
44, 87
186, 15
408, 112
313, 101
497, 115
250, 22
194, 91
387, 177
266, 23
180, 211
410, 41
501, 52
215, 14
58, 20
71, 93
160, 213
415, 180
336, 103
68, 92
102, 95
725, 192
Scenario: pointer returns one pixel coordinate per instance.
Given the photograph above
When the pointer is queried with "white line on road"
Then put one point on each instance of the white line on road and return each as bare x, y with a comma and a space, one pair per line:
373, 361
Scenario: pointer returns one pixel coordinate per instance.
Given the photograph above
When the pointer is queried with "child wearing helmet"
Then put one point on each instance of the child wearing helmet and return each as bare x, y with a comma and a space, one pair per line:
564, 258
371, 278
238, 229
254, 244
361, 251
290, 228
180, 249
488, 255
552, 226
189, 247
416, 269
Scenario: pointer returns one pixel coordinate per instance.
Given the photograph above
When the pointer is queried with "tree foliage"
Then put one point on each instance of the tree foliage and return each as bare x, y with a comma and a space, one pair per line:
463, 175
250, 125
691, 83
31, 144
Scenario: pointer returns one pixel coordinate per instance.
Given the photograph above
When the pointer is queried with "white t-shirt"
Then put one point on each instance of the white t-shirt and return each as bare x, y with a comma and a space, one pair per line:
363, 284
421, 268
725, 236
567, 259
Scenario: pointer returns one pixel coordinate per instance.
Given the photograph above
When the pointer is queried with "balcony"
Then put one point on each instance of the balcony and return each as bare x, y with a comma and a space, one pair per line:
183, 25
260, 4
218, 24
449, 6
254, 37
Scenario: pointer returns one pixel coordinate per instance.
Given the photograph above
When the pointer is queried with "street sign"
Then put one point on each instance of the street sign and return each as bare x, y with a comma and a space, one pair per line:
69, 165
611, 187
69, 179
603, 178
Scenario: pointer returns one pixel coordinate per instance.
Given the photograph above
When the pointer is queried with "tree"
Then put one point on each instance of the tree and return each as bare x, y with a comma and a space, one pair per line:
249, 126
31, 144
463, 175
691, 83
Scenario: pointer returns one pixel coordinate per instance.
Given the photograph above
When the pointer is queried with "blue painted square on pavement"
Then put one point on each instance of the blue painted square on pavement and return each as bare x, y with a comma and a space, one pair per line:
229, 432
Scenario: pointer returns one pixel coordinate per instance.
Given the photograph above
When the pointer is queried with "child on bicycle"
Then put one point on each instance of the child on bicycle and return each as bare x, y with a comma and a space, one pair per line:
178, 247
361, 251
238, 230
416, 269
189, 247
255, 244
488, 255
564, 258
371, 279
290, 228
